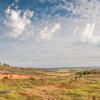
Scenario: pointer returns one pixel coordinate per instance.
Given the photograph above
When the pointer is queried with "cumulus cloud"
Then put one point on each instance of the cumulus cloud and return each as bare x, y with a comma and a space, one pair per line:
49, 30
88, 34
17, 21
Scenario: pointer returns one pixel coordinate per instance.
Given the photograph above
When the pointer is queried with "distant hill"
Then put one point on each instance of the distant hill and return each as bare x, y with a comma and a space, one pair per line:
5, 68
16, 70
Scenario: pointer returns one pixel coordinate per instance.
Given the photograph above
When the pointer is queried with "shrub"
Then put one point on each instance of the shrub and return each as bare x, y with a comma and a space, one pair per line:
6, 78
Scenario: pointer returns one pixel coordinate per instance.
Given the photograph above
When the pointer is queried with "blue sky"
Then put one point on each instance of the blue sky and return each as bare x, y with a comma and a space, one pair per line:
50, 33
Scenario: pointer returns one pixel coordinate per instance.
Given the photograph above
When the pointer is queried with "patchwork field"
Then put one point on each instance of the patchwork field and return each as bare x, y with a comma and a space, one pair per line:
45, 84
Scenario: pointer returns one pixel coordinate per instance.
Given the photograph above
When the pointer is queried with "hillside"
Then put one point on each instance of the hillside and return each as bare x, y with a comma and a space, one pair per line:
49, 84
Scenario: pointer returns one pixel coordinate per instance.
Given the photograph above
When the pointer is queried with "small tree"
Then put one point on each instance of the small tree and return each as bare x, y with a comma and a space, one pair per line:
4, 64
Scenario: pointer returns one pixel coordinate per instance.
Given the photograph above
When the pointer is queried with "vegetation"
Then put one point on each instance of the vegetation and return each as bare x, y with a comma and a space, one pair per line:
50, 85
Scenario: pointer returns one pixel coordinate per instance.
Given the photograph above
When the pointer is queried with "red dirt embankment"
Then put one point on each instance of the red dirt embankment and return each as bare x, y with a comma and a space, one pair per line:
15, 76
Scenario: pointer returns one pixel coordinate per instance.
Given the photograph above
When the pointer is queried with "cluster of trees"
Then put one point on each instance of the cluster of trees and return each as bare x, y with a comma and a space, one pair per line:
82, 73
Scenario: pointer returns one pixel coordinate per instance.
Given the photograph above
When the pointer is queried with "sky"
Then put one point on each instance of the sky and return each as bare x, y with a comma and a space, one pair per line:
50, 33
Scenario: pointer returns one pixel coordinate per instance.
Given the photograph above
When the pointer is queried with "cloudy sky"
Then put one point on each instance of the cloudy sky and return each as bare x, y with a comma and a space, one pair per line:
50, 33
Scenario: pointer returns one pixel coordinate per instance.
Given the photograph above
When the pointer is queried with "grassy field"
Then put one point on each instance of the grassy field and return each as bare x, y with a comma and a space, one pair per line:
51, 85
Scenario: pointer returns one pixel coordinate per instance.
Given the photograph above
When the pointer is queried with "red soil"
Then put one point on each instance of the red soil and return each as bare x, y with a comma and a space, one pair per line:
15, 76
69, 85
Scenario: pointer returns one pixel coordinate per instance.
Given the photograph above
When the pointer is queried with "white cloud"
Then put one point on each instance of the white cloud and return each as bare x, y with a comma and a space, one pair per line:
83, 8
88, 35
75, 30
17, 21
49, 30
16, 0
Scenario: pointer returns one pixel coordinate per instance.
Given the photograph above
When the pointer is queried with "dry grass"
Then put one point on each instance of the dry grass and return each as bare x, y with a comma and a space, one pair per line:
52, 85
